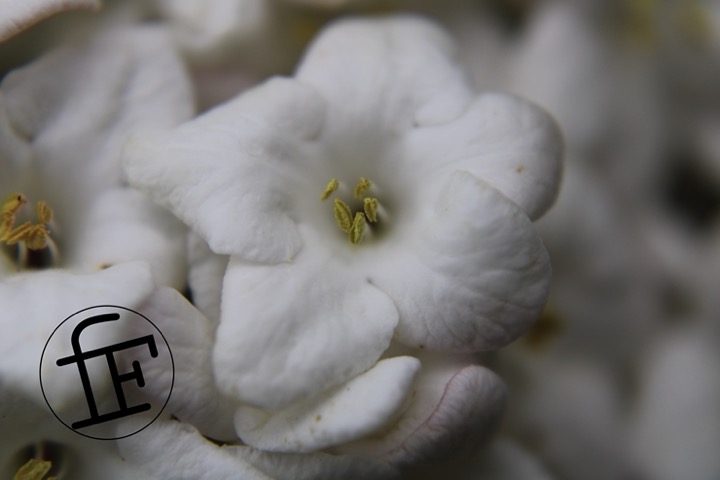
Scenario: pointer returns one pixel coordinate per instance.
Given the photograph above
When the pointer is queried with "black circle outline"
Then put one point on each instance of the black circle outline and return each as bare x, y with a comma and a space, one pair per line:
172, 361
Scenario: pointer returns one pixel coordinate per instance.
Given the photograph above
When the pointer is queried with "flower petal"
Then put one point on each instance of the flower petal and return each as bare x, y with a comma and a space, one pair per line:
475, 280
383, 76
205, 277
168, 449
17, 15
509, 143
454, 407
195, 397
123, 225
230, 174
34, 304
360, 407
280, 324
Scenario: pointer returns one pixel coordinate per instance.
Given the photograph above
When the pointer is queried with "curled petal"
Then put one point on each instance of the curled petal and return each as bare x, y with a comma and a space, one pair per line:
360, 407
507, 142
453, 408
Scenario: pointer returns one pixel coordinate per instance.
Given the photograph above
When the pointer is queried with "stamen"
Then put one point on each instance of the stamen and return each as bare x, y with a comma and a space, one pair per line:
362, 186
371, 205
357, 229
29, 235
343, 215
34, 469
13, 203
7, 220
44, 213
18, 234
37, 237
330, 188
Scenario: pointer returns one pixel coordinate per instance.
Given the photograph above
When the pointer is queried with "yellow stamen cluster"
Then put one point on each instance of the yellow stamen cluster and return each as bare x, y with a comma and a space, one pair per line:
34, 469
34, 236
353, 224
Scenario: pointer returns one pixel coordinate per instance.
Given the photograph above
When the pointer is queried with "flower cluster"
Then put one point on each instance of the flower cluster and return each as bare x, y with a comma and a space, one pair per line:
334, 212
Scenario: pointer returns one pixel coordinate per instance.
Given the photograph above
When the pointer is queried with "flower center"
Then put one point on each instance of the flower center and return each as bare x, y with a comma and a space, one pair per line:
355, 222
34, 248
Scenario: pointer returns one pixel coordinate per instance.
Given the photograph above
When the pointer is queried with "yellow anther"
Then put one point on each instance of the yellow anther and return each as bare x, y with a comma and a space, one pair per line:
18, 234
7, 220
44, 213
362, 186
13, 203
371, 205
343, 215
34, 469
330, 188
37, 237
357, 229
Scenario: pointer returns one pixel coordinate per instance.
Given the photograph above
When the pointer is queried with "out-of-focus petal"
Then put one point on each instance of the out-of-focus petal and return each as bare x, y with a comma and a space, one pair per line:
124, 225
168, 449
17, 15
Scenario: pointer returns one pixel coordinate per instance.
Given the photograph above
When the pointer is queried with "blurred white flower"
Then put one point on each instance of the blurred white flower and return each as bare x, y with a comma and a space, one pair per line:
33, 306
17, 15
676, 422
63, 122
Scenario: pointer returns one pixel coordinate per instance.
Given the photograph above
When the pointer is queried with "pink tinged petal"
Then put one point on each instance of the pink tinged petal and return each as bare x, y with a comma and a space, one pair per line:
195, 397
124, 225
168, 449
360, 407
477, 277
280, 325
384, 76
509, 143
17, 15
230, 174
452, 408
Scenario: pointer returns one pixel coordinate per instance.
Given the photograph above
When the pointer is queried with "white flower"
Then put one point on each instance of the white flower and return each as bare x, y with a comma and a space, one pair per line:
452, 263
17, 15
63, 121
33, 305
